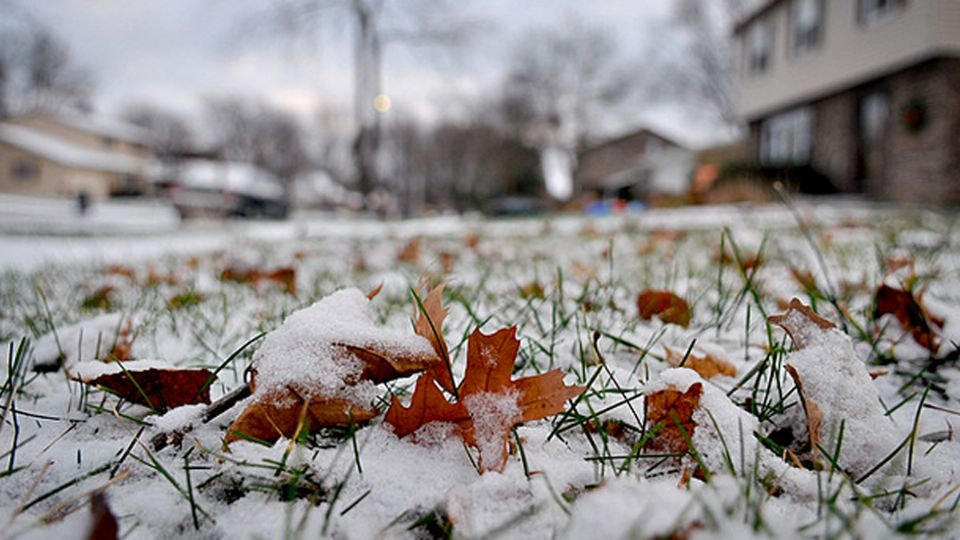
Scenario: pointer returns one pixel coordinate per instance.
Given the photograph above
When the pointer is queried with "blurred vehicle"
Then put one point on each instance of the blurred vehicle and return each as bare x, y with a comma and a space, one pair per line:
223, 189
516, 206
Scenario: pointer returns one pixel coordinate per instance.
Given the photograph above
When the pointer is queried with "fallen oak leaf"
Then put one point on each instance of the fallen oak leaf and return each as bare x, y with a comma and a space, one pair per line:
103, 523
667, 411
910, 313
669, 307
708, 365
801, 323
153, 383
321, 364
838, 396
429, 315
490, 402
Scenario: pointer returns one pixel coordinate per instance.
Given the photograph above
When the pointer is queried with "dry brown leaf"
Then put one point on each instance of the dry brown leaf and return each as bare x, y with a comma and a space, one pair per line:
410, 252
813, 412
428, 324
664, 304
490, 402
666, 408
800, 322
910, 313
286, 277
373, 294
708, 366
103, 524
280, 412
158, 388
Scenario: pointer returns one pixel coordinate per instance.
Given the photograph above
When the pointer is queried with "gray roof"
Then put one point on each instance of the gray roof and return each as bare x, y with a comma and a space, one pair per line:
67, 153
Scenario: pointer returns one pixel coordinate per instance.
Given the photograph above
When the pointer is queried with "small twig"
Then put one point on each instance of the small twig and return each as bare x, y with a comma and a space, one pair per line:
215, 409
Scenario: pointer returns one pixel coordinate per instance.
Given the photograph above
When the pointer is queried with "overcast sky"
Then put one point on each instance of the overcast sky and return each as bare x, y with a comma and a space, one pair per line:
175, 53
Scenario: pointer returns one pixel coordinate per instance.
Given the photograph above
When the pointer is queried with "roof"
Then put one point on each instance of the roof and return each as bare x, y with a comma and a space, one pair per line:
755, 14
236, 177
634, 133
108, 127
67, 153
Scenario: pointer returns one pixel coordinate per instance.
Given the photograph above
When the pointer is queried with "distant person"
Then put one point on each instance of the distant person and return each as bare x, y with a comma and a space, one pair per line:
83, 202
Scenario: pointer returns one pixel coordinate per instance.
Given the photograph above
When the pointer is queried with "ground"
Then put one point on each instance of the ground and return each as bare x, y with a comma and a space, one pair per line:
887, 462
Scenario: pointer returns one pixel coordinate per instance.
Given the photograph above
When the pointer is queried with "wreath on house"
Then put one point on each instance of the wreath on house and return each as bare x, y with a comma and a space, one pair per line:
913, 115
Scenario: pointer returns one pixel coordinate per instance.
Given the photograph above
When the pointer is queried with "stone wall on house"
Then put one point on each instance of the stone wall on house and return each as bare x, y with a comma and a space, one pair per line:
835, 140
918, 166
923, 166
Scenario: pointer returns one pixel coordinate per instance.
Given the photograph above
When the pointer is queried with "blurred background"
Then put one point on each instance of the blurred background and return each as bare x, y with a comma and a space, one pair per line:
403, 108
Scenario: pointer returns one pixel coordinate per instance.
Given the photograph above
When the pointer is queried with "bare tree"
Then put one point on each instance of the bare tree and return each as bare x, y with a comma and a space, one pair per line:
558, 84
695, 58
252, 131
36, 72
170, 134
376, 24
559, 78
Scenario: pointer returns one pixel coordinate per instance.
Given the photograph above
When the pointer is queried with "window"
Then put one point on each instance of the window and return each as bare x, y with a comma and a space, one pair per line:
872, 11
25, 170
787, 137
806, 21
759, 41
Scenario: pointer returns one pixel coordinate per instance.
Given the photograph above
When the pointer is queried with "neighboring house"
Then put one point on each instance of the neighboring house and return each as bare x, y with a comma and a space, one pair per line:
635, 166
867, 92
68, 154
210, 188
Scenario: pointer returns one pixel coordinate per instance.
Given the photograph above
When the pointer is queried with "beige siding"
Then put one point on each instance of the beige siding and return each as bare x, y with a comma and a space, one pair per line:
849, 53
78, 136
51, 178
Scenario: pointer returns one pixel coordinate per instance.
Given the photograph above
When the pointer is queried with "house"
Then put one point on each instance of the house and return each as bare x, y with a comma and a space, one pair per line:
865, 92
635, 166
65, 154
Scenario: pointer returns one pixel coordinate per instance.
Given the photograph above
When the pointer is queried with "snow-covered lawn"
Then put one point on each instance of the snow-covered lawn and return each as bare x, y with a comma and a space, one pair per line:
885, 462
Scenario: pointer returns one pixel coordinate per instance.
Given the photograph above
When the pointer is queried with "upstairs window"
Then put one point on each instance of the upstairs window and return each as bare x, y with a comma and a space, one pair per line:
759, 43
872, 11
787, 137
806, 25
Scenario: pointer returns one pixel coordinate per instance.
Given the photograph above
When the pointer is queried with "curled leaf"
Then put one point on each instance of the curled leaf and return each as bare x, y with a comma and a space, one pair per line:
152, 383
664, 304
801, 323
319, 367
911, 315
708, 365
669, 409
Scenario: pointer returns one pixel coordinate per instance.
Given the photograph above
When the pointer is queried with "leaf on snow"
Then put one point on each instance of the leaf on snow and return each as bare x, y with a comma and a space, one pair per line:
154, 384
910, 313
491, 403
708, 365
664, 304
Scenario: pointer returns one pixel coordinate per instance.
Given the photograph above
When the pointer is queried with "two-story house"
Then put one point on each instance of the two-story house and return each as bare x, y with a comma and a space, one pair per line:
867, 92
65, 154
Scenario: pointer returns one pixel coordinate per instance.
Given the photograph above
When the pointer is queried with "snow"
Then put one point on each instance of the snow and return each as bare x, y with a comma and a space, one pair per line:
306, 350
835, 378
91, 370
560, 480
66, 153
86, 340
